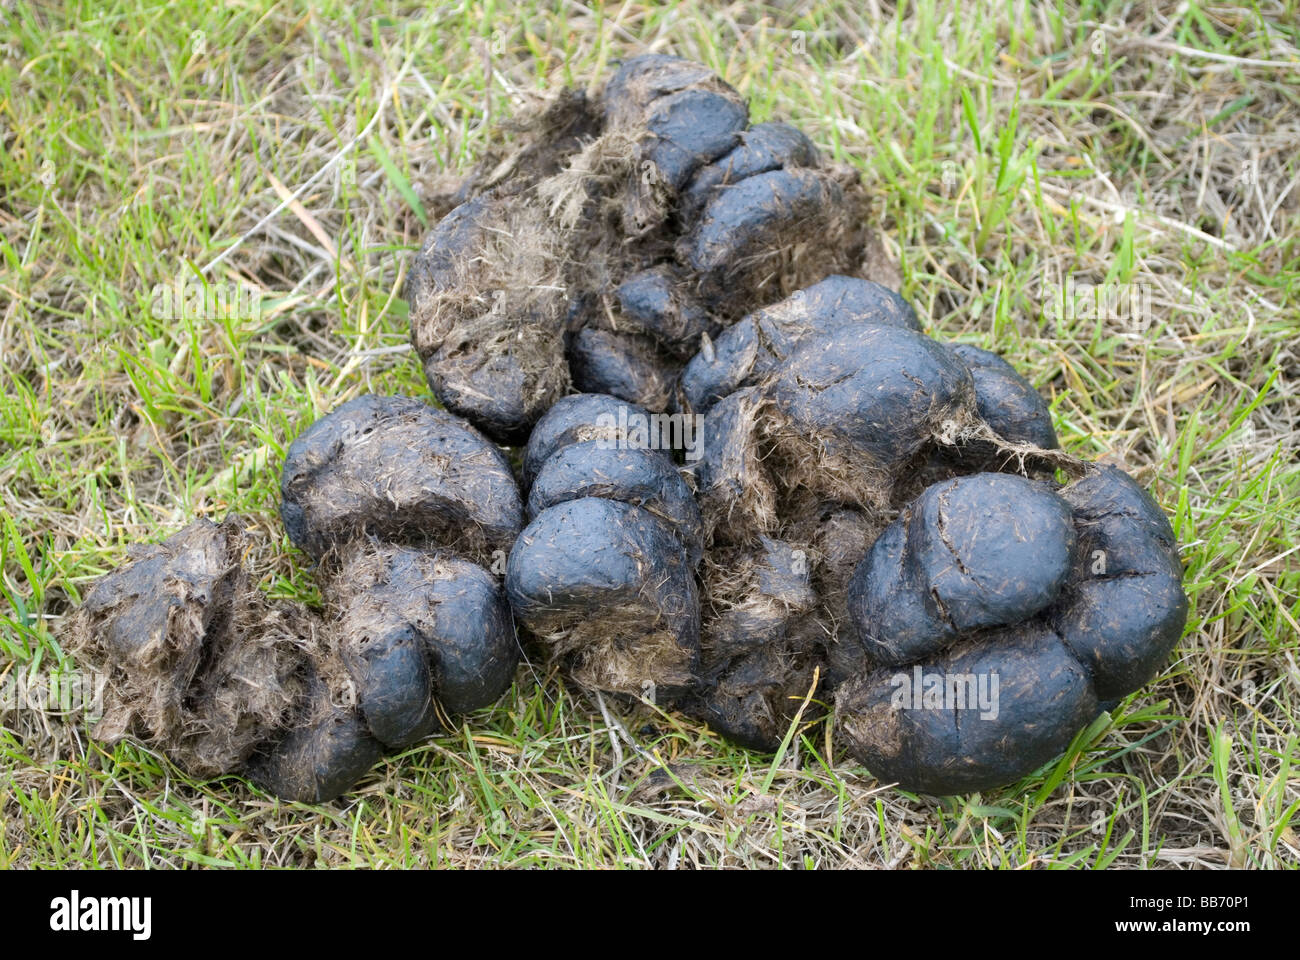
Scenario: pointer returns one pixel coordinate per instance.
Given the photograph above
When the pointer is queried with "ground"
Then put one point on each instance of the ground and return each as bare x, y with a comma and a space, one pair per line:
1010, 148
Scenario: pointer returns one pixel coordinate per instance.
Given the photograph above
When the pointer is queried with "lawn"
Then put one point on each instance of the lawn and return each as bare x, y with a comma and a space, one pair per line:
1010, 149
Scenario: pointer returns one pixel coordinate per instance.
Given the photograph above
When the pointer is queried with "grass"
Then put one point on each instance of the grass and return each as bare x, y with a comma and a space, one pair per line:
1008, 146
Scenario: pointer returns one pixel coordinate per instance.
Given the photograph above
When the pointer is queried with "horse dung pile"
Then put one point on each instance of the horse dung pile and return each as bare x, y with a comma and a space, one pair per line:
745, 485
401, 505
